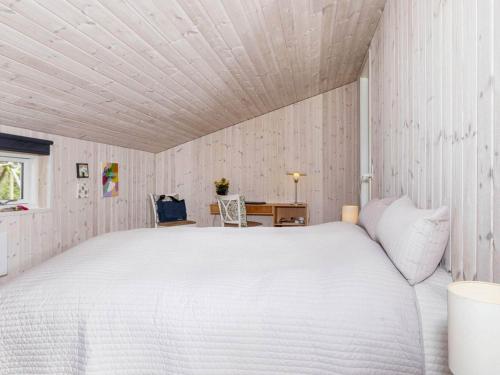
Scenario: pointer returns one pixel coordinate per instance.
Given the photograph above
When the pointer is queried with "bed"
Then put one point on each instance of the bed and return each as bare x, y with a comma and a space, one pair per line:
323, 299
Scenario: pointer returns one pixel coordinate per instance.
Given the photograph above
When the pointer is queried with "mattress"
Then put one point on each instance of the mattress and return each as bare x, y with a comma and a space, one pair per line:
323, 299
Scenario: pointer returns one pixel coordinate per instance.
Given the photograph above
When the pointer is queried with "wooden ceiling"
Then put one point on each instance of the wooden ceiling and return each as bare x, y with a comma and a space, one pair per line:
152, 74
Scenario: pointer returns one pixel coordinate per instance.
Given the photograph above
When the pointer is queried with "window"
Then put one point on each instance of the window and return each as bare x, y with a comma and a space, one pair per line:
11, 180
16, 183
25, 172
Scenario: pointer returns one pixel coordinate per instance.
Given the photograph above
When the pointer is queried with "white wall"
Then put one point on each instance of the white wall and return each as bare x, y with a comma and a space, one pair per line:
435, 117
318, 136
35, 236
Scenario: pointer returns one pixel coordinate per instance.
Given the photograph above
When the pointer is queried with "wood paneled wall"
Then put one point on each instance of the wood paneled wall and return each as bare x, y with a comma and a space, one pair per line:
318, 136
38, 235
435, 117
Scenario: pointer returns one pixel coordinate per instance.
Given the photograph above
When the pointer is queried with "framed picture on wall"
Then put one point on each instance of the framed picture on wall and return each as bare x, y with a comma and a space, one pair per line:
110, 180
82, 170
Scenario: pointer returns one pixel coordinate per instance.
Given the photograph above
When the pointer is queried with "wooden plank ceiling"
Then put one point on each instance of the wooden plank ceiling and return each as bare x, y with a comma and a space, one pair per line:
152, 74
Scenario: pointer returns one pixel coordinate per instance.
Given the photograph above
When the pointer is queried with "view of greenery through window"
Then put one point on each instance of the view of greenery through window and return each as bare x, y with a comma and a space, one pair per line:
11, 180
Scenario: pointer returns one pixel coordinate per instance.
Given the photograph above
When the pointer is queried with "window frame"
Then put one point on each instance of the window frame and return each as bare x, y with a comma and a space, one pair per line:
30, 182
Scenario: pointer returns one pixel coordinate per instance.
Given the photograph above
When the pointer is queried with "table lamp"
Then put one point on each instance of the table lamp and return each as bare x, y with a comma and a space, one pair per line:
296, 176
350, 214
474, 328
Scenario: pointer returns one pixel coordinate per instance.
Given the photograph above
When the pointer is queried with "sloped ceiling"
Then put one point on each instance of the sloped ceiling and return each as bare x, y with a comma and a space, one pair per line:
152, 74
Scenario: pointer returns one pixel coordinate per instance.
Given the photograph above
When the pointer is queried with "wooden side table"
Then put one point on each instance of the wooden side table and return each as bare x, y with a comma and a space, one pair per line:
288, 215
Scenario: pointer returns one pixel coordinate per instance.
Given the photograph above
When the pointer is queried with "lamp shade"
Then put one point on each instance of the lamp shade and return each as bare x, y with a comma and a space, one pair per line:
350, 214
474, 328
296, 175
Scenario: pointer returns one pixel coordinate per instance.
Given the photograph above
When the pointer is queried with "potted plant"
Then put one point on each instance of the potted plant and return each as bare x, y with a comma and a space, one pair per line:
221, 186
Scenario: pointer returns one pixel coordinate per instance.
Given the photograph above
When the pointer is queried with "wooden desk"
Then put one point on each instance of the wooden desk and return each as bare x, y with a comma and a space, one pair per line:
276, 210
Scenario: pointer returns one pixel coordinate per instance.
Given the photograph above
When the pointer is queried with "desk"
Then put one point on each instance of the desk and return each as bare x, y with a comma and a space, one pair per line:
277, 210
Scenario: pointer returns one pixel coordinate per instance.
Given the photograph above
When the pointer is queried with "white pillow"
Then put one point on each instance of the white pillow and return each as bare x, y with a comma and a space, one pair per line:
371, 213
414, 239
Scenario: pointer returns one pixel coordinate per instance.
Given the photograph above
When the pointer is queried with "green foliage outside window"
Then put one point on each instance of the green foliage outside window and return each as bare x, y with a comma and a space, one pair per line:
11, 180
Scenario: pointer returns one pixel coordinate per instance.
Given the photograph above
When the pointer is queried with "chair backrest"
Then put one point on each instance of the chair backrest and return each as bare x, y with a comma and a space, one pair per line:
232, 210
153, 198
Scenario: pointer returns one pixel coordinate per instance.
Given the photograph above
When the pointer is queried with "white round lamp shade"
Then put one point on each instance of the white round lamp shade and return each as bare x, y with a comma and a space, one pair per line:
474, 328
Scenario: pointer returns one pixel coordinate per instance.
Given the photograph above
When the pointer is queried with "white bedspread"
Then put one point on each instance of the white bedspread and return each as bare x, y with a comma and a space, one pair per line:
432, 300
318, 300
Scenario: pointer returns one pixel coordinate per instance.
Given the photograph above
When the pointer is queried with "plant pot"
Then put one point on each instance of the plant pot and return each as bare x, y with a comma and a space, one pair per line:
221, 191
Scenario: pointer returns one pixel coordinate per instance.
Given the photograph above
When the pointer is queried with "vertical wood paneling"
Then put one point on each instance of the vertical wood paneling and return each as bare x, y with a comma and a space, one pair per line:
457, 218
36, 236
318, 136
447, 112
494, 175
436, 128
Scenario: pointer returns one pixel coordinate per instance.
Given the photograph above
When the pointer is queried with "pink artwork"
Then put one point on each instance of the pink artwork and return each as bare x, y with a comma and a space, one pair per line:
110, 180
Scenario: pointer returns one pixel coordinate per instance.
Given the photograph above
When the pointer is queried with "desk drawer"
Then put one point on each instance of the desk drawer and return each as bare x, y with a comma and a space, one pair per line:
252, 209
259, 209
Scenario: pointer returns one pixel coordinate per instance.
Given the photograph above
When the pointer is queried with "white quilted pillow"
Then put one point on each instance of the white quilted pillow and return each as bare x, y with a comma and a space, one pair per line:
414, 239
371, 213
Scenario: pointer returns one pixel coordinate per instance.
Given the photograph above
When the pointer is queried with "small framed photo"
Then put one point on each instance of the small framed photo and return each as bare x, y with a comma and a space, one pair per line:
82, 170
